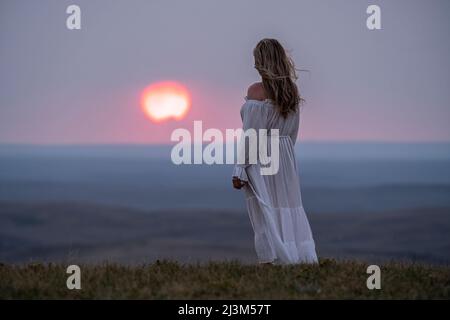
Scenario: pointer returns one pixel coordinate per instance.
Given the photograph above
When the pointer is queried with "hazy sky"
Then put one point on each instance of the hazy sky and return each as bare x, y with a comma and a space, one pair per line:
83, 86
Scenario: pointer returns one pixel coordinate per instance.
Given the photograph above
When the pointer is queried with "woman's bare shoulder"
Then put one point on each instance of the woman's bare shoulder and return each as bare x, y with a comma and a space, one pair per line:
256, 92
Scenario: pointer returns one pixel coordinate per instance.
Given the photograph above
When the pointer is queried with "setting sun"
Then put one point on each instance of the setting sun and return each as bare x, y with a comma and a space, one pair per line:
164, 100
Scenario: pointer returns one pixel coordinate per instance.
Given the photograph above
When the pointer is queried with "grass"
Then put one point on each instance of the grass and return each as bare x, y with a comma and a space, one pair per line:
330, 279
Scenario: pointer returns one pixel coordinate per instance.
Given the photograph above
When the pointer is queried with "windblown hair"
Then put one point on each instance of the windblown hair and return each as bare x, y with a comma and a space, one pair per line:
278, 75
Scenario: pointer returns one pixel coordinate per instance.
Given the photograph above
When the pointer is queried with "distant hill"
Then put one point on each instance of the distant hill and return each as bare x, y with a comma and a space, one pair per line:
91, 233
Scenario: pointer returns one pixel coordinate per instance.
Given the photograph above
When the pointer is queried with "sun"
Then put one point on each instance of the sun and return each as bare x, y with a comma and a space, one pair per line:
165, 100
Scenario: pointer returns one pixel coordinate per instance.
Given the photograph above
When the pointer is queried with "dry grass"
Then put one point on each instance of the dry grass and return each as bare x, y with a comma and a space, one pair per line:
225, 280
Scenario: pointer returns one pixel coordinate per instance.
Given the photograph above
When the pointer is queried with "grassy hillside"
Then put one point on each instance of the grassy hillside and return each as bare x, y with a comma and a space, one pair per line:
225, 280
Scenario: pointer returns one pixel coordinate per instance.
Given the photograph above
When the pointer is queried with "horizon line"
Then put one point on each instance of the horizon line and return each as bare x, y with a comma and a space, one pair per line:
299, 142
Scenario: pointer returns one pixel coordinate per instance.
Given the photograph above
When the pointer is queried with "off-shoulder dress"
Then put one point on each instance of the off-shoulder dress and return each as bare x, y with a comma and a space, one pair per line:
282, 233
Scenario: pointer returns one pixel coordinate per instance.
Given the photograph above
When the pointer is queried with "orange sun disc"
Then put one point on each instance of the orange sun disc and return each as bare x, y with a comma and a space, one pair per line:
165, 100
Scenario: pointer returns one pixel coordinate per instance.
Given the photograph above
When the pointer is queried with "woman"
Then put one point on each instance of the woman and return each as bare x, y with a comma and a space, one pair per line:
282, 231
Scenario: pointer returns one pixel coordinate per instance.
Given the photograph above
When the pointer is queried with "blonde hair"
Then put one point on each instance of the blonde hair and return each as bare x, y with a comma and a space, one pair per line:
278, 74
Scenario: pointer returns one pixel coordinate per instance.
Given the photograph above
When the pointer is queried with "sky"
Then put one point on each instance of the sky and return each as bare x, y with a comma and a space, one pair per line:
60, 86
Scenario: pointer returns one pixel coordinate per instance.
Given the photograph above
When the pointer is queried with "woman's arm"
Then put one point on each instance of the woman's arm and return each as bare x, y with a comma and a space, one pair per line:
253, 117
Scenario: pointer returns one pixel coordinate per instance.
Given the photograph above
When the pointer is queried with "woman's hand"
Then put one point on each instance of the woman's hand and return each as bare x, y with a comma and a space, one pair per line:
238, 183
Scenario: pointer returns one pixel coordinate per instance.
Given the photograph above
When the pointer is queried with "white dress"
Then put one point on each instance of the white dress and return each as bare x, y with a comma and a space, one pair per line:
281, 228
